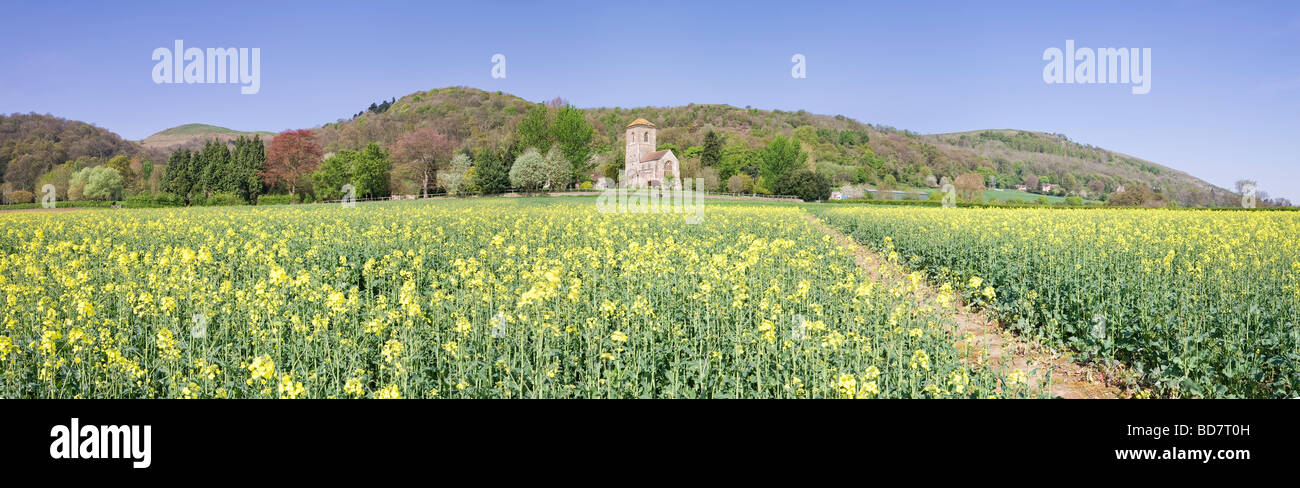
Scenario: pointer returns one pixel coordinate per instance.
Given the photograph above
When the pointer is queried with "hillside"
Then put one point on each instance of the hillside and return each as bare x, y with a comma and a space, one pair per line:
33, 144
1054, 156
847, 150
191, 136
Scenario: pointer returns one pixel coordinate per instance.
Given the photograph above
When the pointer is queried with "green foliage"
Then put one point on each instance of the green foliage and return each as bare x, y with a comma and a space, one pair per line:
216, 168
275, 199
59, 177
178, 178
98, 183
155, 200
371, 171
738, 158
806, 184
334, 172
456, 179
366, 170
122, 164
223, 199
247, 161
781, 157
529, 172
490, 174
573, 135
558, 171
534, 129
853, 138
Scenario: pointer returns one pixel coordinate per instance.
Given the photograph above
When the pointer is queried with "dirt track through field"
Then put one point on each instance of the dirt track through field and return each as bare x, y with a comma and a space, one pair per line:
987, 344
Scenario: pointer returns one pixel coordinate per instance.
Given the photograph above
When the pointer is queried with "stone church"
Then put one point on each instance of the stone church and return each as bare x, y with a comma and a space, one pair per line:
644, 166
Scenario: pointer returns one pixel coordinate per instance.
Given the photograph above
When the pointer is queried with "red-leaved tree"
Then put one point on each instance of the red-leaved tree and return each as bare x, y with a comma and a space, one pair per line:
421, 153
292, 156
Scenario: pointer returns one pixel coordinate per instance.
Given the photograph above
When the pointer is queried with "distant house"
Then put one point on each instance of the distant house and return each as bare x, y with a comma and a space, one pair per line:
837, 195
1047, 187
1022, 188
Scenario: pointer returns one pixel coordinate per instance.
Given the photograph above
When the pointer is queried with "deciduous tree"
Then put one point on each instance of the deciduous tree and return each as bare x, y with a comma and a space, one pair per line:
293, 156
529, 172
781, 156
573, 135
421, 153
970, 187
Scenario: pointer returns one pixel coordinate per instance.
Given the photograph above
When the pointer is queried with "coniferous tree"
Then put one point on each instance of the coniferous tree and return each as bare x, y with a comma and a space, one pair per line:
177, 177
247, 159
490, 174
712, 153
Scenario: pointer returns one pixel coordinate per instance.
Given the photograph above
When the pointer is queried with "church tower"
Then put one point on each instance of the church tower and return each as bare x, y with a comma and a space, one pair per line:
640, 142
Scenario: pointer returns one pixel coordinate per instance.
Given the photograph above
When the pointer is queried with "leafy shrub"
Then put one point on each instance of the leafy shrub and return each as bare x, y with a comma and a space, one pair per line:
98, 183
145, 200
806, 184
275, 200
21, 196
741, 183
224, 200
529, 171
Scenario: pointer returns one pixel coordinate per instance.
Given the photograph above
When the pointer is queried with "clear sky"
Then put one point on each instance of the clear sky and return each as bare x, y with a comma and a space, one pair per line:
1224, 101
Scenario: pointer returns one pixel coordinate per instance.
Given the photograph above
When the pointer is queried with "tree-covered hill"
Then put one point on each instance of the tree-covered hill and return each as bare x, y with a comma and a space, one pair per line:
32, 145
843, 150
846, 150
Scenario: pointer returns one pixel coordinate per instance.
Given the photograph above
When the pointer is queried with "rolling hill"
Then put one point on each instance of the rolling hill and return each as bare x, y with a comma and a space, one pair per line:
33, 144
191, 136
846, 150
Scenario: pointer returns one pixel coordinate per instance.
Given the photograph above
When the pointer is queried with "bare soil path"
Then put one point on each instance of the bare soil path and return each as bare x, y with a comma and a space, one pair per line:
987, 344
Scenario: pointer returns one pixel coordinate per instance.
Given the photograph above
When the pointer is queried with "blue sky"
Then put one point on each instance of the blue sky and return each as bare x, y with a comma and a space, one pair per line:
1224, 101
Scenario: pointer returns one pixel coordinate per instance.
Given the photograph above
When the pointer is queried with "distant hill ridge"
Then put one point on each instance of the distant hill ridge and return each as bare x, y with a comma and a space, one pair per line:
847, 150
190, 136
835, 143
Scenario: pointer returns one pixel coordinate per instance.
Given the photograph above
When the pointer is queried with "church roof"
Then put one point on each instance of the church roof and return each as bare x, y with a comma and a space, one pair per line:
640, 122
654, 155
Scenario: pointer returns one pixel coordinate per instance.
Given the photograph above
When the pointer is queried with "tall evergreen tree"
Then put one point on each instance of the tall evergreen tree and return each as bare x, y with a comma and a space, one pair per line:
245, 167
712, 153
177, 178
490, 173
